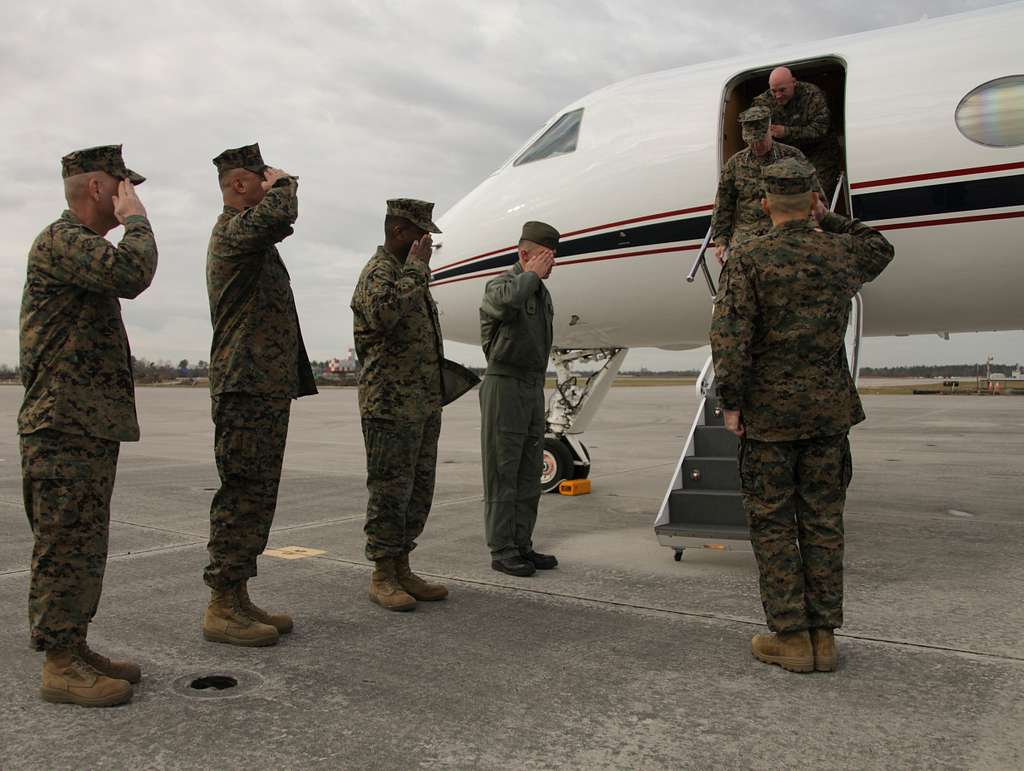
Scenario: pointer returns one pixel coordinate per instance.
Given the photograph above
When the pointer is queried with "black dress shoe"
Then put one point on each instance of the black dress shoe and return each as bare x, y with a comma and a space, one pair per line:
540, 561
514, 566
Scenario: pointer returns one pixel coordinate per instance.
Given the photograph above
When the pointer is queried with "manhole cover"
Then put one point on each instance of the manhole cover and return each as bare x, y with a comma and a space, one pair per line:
217, 684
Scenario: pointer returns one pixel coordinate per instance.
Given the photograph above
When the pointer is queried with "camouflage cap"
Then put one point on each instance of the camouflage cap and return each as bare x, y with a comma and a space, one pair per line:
540, 233
102, 158
245, 157
755, 123
788, 177
419, 213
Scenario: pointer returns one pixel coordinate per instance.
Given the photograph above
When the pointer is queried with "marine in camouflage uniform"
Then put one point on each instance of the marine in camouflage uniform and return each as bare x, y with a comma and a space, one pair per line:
516, 332
738, 215
258, 364
79, 405
399, 346
778, 341
801, 109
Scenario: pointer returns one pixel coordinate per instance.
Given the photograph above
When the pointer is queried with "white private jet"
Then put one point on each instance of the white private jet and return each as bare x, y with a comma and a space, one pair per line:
930, 117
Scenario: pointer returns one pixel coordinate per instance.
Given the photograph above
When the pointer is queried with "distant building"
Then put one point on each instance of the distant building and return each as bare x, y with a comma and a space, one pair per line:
343, 366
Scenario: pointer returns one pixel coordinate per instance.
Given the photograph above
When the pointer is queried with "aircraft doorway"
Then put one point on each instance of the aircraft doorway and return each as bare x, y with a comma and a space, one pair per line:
829, 74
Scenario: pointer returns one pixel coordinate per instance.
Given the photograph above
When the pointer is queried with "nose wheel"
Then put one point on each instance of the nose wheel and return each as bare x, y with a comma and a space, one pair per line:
561, 463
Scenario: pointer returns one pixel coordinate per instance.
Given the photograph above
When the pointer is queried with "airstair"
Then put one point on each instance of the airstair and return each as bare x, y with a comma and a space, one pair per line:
702, 507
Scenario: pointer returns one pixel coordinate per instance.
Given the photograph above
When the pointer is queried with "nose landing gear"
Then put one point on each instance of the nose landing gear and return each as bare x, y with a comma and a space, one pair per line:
571, 407
564, 458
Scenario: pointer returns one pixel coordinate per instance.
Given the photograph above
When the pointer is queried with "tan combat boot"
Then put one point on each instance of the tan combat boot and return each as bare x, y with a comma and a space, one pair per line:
416, 586
790, 650
825, 655
67, 679
385, 589
282, 622
119, 670
226, 622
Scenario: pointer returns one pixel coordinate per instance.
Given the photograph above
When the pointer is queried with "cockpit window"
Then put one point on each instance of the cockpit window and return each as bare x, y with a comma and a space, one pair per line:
993, 113
560, 139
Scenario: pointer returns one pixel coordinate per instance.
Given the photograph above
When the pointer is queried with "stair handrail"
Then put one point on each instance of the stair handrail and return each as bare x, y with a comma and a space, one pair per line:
706, 379
701, 263
857, 309
835, 194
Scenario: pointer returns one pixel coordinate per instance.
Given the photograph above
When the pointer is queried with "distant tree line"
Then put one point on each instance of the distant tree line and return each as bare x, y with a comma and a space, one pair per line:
162, 371
937, 370
644, 372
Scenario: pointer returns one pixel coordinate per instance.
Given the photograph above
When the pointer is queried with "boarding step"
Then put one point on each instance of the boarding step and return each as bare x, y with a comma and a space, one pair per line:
714, 442
674, 530
707, 507
703, 473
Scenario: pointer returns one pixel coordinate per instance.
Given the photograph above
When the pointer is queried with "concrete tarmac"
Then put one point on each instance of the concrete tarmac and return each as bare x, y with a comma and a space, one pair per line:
620, 658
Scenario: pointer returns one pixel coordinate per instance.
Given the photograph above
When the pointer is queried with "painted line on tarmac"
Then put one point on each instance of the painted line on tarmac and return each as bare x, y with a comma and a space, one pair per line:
697, 614
126, 554
184, 533
311, 525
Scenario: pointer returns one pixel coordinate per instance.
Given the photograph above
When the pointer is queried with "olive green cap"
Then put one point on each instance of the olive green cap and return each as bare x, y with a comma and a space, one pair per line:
246, 157
102, 158
419, 213
788, 177
754, 123
540, 233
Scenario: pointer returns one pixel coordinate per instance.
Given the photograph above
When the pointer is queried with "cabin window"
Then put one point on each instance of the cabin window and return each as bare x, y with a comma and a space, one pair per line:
560, 139
993, 113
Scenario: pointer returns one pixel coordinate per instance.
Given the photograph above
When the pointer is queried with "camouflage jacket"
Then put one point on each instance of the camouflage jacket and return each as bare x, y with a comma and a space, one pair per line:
75, 359
738, 215
805, 116
809, 128
257, 344
398, 340
516, 318
779, 325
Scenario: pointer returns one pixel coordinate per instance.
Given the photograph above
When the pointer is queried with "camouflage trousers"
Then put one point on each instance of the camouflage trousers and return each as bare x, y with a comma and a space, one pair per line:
401, 463
793, 495
512, 450
249, 439
827, 161
67, 481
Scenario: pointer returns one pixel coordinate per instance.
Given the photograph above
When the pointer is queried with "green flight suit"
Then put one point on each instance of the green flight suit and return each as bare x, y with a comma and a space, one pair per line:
516, 332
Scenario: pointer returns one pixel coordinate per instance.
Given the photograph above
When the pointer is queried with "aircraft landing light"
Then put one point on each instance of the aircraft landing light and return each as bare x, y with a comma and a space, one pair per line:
716, 546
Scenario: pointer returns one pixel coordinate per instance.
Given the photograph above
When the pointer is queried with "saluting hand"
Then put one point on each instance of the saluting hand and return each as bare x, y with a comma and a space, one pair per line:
819, 210
126, 202
422, 249
271, 175
778, 131
540, 262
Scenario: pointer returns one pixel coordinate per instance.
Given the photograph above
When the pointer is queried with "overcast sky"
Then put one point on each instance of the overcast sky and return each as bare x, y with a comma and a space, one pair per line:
363, 100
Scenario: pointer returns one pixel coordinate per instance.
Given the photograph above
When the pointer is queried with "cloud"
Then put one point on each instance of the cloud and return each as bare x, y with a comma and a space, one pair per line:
363, 100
